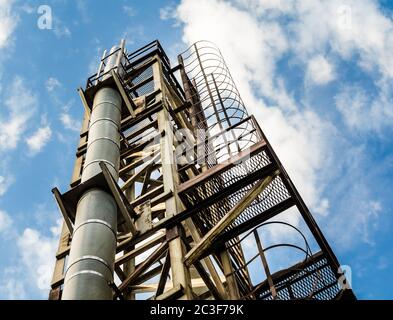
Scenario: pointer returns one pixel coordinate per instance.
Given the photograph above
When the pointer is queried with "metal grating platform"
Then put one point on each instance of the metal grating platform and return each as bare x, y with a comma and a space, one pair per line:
313, 279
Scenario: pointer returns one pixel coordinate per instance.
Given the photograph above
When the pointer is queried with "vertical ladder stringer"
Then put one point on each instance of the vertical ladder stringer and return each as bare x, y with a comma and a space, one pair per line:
196, 174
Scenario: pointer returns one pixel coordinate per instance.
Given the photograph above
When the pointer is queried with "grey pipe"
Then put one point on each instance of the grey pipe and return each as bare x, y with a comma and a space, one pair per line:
93, 248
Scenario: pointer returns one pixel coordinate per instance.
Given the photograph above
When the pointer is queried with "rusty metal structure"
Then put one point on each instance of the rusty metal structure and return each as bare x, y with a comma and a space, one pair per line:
194, 190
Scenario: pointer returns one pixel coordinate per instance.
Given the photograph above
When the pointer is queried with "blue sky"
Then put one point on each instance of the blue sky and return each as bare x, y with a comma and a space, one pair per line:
317, 74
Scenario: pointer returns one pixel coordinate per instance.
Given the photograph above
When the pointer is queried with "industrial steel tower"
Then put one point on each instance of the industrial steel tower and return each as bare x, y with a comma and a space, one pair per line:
174, 189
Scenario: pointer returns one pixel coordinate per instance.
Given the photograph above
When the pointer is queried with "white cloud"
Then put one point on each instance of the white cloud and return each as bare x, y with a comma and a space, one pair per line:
31, 276
27, 8
5, 182
358, 221
52, 83
255, 35
8, 22
363, 112
62, 32
359, 33
347, 28
252, 58
5, 221
69, 122
56, 229
131, 34
323, 207
60, 29
83, 10
6, 177
167, 12
97, 51
129, 11
10, 132
268, 7
38, 256
252, 61
352, 102
21, 104
12, 288
39, 139
320, 71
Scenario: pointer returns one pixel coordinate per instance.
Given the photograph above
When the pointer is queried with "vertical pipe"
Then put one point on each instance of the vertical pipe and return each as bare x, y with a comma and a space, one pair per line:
100, 67
93, 246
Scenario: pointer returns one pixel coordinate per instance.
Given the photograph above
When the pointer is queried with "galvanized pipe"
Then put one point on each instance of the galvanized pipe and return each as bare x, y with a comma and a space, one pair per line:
91, 261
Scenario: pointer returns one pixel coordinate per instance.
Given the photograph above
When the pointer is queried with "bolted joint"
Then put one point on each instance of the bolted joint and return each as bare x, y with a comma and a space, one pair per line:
175, 232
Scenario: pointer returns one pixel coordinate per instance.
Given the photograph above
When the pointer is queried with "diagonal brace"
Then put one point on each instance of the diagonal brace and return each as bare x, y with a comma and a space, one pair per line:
196, 252
164, 275
63, 210
144, 266
140, 171
118, 195
128, 102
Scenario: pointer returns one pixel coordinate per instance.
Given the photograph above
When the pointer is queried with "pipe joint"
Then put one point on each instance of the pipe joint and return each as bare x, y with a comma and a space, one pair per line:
95, 221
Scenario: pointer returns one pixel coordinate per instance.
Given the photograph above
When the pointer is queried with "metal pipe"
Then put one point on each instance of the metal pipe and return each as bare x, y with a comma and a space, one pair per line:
92, 255
100, 67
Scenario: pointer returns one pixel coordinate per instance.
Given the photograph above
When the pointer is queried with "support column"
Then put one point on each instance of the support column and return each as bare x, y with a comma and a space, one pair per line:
180, 273
129, 266
229, 275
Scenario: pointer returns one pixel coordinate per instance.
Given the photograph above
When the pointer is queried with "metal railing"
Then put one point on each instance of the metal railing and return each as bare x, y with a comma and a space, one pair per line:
312, 278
